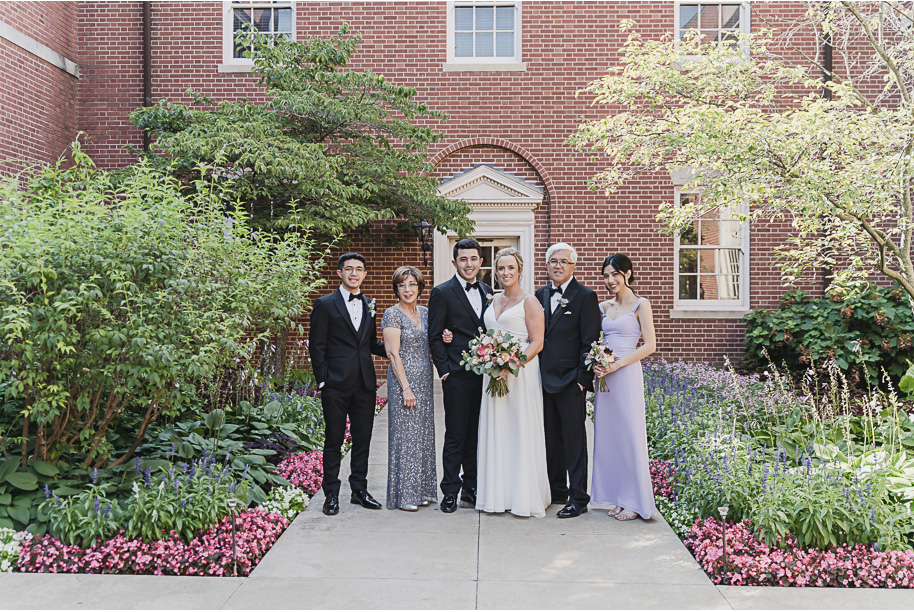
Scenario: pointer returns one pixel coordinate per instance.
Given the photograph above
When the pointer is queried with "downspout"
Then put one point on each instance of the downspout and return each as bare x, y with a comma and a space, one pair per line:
147, 65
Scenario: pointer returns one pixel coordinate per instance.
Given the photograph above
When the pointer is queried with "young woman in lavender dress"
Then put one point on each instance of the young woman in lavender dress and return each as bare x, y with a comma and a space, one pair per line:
621, 474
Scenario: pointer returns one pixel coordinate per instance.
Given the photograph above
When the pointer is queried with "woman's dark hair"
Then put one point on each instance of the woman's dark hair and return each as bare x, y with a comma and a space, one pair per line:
621, 263
404, 272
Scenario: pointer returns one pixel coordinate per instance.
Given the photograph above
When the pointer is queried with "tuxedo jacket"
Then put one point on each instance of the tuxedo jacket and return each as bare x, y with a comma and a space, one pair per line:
340, 355
570, 331
449, 308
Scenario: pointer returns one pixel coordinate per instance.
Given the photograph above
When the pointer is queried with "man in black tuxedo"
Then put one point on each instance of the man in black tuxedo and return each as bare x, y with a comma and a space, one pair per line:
343, 336
572, 325
457, 305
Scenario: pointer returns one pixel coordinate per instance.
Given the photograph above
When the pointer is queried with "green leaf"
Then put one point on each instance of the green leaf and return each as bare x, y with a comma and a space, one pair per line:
19, 513
44, 468
8, 467
23, 480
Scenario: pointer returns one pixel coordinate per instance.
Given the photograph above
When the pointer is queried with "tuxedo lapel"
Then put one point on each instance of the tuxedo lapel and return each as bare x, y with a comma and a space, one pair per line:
486, 290
568, 296
544, 300
461, 294
341, 306
365, 318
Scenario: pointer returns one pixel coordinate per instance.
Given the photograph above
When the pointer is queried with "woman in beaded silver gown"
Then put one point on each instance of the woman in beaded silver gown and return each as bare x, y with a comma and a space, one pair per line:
411, 473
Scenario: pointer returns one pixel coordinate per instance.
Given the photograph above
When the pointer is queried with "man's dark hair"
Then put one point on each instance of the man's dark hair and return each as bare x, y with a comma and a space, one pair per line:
467, 243
346, 257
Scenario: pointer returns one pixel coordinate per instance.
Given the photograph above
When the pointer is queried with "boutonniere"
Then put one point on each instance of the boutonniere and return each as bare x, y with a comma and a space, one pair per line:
489, 298
563, 303
371, 308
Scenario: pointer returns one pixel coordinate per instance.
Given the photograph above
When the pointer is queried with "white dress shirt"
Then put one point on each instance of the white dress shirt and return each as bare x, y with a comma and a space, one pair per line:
474, 296
557, 297
354, 307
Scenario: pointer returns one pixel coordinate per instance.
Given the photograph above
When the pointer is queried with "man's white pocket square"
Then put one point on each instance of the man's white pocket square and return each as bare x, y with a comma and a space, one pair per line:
567, 312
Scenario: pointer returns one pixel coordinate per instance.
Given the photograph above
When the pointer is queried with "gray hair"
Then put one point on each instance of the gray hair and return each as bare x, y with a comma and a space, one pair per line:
562, 246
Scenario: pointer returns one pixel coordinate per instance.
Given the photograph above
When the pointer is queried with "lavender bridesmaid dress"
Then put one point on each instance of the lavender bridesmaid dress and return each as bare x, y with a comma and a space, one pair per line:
621, 475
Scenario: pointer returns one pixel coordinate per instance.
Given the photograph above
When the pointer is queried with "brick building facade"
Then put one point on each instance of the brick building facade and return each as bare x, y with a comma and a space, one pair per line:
507, 79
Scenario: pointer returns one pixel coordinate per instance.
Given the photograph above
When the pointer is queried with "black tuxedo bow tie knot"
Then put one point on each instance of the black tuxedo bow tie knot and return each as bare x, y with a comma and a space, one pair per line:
355, 296
472, 286
553, 290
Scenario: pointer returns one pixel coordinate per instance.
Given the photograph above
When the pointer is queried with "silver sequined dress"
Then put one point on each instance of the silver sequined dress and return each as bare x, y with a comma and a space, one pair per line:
411, 475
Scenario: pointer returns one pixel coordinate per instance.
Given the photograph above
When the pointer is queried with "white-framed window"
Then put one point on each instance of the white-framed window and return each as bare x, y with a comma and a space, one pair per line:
276, 18
711, 266
715, 21
484, 35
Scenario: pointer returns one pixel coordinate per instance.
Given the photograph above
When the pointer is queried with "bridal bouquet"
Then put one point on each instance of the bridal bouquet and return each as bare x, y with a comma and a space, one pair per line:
491, 352
601, 355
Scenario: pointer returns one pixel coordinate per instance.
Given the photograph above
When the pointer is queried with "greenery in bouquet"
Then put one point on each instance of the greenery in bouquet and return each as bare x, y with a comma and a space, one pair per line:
491, 353
599, 355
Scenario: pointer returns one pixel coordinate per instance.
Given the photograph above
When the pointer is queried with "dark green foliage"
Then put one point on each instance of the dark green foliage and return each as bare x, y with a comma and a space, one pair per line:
346, 148
117, 301
864, 334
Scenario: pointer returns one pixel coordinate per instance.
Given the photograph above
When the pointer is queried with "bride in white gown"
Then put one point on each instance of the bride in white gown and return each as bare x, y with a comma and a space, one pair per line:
512, 449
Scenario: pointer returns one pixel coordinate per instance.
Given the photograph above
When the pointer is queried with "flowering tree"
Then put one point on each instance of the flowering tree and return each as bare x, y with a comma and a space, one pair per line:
757, 128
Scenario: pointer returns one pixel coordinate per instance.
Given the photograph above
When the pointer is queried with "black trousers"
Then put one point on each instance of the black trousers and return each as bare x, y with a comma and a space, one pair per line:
359, 404
462, 398
566, 444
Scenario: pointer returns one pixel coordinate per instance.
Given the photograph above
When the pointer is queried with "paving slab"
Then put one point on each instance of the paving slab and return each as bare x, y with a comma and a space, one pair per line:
353, 593
520, 595
105, 592
817, 598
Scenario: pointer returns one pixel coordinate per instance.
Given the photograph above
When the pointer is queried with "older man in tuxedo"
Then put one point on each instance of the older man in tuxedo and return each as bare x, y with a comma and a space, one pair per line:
572, 325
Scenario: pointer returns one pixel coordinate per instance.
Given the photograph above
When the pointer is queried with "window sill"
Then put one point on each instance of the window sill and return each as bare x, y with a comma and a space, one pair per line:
736, 313
493, 67
230, 68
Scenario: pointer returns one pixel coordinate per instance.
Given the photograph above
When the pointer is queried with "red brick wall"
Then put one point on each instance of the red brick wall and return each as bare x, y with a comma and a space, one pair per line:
37, 99
565, 45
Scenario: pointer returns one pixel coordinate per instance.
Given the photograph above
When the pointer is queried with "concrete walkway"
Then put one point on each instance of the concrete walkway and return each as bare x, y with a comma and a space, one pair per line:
465, 560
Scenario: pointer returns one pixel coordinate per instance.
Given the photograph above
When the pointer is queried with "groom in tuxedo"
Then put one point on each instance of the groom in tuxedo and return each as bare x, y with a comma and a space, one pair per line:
458, 305
572, 325
342, 338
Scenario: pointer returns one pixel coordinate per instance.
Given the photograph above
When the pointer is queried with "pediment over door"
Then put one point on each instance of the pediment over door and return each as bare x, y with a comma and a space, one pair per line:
485, 185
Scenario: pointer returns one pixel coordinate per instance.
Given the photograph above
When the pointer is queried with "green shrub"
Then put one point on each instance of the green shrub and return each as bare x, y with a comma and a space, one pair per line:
863, 334
124, 297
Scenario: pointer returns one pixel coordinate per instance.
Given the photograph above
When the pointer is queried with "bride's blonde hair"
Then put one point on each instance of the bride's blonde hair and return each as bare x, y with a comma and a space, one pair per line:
513, 253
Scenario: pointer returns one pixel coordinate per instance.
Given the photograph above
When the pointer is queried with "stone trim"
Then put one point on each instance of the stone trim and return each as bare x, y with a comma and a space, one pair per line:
43, 52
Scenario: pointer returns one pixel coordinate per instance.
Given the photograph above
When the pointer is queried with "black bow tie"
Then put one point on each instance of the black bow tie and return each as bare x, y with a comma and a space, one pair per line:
472, 286
553, 290
355, 296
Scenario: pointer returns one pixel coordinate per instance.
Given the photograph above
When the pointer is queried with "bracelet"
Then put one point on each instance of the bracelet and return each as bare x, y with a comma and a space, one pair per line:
406, 387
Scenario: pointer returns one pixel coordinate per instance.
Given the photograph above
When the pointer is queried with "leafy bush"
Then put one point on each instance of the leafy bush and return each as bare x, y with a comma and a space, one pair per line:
863, 334
123, 297
20, 494
208, 554
791, 465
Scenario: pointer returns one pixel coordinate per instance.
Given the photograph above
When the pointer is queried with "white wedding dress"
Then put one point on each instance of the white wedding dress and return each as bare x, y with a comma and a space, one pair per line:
511, 472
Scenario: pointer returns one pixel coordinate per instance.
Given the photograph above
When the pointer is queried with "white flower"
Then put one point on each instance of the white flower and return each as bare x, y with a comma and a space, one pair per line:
155, 515
563, 302
489, 298
371, 308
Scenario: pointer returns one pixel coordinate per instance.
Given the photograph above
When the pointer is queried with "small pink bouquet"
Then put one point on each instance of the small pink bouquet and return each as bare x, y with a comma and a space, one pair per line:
491, 352
601, 355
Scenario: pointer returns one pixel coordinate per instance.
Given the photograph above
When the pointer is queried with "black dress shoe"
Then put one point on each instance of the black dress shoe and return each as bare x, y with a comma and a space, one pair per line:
468, 498
571, 510
449, 503
331, 504
364, 499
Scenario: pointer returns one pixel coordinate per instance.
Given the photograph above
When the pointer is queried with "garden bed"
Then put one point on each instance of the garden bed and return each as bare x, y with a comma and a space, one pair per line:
815, 491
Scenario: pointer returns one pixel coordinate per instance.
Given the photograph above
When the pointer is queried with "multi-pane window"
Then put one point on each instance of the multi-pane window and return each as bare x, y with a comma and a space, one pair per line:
484, 29
715, 21
267, 18
483, 33
711, 258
